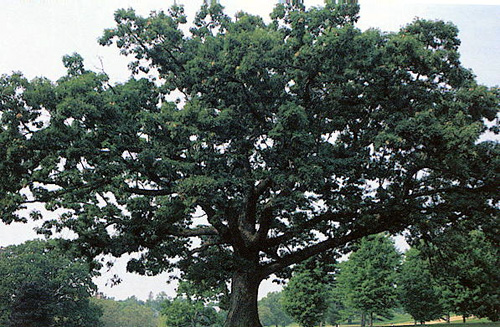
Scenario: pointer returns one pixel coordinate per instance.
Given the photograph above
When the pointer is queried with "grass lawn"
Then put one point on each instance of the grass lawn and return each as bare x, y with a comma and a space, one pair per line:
404, 319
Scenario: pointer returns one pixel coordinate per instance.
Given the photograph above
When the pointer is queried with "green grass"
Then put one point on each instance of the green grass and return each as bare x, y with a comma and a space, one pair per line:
473, 323
399, 318
406, 319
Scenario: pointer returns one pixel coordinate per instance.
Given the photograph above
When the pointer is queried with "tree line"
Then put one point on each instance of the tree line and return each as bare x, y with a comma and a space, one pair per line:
42, 286
426, 282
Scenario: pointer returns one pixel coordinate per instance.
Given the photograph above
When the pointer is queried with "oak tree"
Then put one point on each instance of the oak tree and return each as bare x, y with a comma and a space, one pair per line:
247, 147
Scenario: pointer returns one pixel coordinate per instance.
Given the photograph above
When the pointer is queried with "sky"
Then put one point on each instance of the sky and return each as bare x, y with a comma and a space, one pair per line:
36, 34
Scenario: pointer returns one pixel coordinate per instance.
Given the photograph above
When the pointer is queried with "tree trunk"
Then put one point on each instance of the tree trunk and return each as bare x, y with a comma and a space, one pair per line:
243, 301
371, 319
363, 319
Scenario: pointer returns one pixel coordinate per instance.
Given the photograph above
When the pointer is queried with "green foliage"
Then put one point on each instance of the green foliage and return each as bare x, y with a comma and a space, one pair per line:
74, 64
367, 280
465, 264
304, 297
337, 311
184, 312
271, 311
419, 294
33, 305
156, 303
271, 120
127, 313
193, 308
42, 286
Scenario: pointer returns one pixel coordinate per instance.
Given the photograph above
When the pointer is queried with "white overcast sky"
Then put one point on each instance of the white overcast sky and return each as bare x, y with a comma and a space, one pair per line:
35, 34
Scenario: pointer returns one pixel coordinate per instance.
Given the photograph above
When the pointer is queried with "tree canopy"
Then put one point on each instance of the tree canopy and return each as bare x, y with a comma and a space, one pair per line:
251, 146
305, 296
127, 313
271, 310
41, 286
419, 292
367, 280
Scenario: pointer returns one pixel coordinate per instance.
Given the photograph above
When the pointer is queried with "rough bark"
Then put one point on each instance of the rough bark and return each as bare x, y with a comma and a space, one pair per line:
243, 304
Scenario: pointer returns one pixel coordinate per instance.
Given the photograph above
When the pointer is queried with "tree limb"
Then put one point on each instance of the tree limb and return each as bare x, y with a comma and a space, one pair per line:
310, 251
200, 231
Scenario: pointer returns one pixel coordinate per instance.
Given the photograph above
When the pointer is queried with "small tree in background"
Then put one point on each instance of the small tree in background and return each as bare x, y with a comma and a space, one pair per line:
335, 312
271, 311
184, 312
367, 279
305, 296
192, 309
465, 266
418, 292
127, 313
43, 286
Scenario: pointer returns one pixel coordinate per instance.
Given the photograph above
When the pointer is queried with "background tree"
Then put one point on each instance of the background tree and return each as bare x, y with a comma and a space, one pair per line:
127, 313
42, 286
368, 278
418, 292
465, 263
185, 312
288, 139
305, 296
192, 308
271, 311
337, 311
156, 302
33, 305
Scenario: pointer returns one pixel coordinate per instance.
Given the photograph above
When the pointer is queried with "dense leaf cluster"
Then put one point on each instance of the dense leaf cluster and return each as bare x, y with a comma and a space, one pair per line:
41, 286
128, 313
